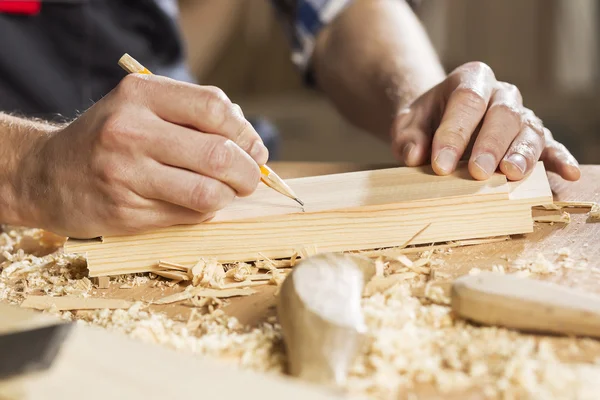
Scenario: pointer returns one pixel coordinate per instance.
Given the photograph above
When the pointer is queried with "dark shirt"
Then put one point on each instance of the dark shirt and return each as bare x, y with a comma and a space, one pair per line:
56, 64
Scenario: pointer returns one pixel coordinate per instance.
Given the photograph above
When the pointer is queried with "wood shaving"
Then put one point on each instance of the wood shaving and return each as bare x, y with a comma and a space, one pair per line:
563, 217
197, 271
498, 269
173, 274
557, 205
277, 277
380, 267
166, 265
293, 259
241, 271
381, 284
594, 213
408, 343
203, 292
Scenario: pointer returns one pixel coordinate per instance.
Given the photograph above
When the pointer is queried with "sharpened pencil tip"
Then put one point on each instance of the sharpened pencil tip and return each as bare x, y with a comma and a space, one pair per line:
299, 201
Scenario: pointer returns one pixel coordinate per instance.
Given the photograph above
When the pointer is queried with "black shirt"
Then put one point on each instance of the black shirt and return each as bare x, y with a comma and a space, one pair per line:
56, 64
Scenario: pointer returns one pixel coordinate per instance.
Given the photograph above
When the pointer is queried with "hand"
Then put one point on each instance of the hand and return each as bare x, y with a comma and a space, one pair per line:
471, 104
154, 152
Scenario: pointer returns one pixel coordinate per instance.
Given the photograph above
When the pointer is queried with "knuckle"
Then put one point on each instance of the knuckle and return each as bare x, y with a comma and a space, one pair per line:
479, 67
220, 157
130, 84
526, 149
471, 98
215, 107
507, 110
207, 195
116, 131
244, 129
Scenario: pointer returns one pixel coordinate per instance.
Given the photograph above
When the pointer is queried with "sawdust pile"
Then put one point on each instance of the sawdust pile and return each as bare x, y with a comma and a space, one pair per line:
411, 343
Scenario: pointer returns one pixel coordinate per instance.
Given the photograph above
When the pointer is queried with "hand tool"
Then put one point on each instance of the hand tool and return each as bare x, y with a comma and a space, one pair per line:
525, 304
268, 177
319, 309
28, 343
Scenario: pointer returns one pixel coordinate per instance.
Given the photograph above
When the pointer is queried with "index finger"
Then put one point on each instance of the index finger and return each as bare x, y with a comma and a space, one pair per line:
204, 108
465, 108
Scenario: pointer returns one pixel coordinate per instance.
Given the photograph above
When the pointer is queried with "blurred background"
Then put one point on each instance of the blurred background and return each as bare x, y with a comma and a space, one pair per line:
548, 48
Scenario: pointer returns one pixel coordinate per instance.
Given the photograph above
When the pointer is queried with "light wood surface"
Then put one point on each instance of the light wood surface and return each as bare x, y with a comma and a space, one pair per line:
96, 364
349, 211
526, 304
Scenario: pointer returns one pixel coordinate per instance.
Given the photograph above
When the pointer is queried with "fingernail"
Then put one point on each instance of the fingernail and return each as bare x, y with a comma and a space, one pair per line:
407, 150
446, 160
487, 163
259, 152
518, 161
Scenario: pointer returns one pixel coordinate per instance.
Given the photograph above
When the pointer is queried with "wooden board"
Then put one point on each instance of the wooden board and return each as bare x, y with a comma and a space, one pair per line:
351, 211
96, 364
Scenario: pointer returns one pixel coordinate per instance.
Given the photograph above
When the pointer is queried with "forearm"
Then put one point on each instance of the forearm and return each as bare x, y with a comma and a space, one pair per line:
18, 139
374, 59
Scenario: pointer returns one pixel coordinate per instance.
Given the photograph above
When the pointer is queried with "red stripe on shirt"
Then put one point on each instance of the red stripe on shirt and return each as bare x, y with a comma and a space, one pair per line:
26, 7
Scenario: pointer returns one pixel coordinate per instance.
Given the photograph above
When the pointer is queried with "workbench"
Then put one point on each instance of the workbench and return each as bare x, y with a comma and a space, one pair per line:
580, 237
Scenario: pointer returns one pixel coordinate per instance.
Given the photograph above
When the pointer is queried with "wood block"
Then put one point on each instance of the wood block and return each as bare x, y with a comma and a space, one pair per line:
349, 211
97, 364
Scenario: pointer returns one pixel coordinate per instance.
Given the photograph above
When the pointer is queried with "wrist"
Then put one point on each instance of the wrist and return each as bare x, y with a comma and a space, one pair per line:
22, 186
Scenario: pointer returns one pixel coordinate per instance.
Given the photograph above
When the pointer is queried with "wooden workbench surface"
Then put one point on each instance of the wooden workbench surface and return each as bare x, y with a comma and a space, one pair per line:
581, 237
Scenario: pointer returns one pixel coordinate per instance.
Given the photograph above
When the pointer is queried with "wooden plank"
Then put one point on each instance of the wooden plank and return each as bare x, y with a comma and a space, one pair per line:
351, 211
73, 303
98, 364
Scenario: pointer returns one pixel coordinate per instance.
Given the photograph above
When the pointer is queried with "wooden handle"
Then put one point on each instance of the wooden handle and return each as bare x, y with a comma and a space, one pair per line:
526, 304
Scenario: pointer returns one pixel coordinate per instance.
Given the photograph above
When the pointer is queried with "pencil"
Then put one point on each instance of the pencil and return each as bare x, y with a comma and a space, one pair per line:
267, 176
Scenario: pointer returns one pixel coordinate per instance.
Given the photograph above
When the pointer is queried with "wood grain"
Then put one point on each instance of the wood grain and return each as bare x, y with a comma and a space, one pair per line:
349, 211
98, 364
526, 304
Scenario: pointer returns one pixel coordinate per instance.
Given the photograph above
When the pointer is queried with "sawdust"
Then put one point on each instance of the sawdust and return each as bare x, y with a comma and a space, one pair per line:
409, 343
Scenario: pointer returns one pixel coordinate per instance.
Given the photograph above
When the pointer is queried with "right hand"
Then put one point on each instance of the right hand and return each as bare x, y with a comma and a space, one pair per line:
153, 153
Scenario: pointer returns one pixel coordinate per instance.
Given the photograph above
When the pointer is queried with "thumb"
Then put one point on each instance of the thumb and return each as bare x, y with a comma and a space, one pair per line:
412, 131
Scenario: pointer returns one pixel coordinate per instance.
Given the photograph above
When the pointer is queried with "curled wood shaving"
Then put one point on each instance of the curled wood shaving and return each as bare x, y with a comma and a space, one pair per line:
240, 272
563, 217
196, 271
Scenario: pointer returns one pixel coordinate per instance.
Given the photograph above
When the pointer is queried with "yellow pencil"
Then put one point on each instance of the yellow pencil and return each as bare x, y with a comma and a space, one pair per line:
269, 178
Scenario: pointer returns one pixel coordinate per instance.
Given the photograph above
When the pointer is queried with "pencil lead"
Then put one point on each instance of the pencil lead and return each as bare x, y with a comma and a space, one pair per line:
299, 201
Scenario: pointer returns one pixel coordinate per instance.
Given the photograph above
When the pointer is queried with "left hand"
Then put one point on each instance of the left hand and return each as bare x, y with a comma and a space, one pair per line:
471, 104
